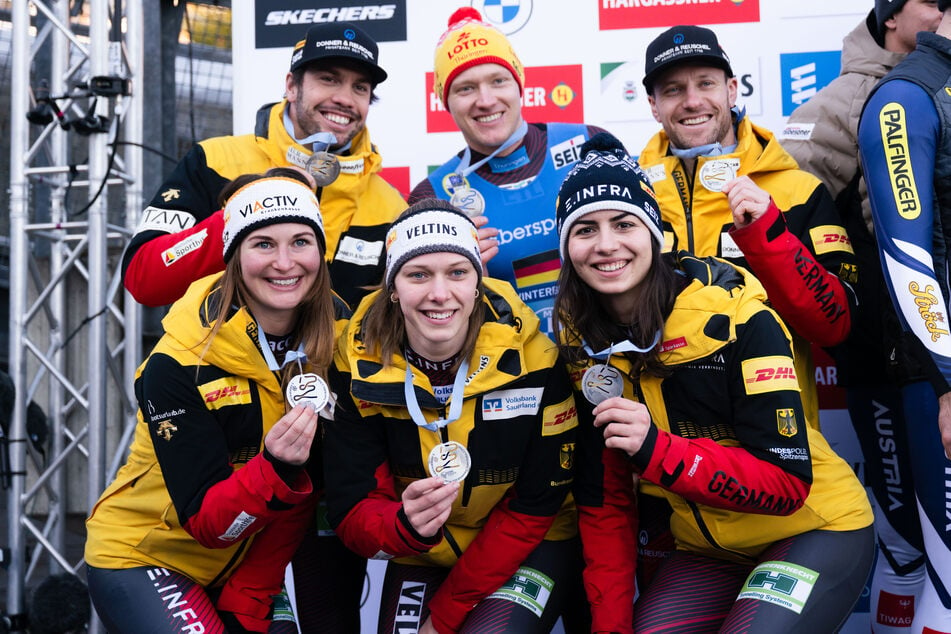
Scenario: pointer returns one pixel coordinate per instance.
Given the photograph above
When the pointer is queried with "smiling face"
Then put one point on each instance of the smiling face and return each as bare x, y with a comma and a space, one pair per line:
436, 293
693, 104
485, 102
611, 252
279, 265
329, 99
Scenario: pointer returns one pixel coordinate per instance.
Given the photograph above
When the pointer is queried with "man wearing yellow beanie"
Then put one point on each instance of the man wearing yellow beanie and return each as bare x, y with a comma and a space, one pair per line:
507, 176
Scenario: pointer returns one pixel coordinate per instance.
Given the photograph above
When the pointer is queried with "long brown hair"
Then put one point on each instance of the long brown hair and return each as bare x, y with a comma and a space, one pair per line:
581, 318
314, 319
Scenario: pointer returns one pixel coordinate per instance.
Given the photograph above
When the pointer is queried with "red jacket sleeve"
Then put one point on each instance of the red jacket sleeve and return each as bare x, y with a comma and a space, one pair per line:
729, 478
609, 536
161, 268
377, 524
260, 575
806, 294
505, 541
252, 498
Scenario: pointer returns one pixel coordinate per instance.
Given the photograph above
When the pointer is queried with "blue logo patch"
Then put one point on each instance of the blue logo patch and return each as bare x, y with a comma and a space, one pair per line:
805, 74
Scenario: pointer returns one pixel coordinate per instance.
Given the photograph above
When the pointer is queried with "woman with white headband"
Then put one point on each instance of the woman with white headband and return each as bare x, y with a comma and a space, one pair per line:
197, 528
685, 379
451, 448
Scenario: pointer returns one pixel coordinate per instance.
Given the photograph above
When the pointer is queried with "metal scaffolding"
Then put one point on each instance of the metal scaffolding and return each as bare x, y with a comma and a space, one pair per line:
74, 334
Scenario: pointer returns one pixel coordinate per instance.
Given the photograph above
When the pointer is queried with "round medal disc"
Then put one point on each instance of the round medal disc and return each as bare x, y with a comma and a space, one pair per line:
324, 167
715, 174
450, 461
469, 200
308, 388
601, 382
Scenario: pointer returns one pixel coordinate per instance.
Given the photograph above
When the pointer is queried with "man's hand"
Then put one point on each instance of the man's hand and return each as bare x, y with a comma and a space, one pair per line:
747, 201
488, 240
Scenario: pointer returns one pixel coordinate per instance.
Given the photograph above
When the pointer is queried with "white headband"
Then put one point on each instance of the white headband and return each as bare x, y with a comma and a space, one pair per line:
430, 231
269, 201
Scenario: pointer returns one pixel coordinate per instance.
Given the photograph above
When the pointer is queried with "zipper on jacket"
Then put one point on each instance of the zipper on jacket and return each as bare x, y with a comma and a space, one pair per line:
698, 517
232, 563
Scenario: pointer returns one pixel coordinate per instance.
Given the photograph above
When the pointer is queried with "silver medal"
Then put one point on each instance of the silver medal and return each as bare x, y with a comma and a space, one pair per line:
601, 382
324, 167
714, 174
450, 461
308, 388
469, 200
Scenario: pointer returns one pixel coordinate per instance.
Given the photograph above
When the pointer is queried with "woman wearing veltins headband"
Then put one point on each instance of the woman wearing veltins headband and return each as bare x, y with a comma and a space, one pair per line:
451, 450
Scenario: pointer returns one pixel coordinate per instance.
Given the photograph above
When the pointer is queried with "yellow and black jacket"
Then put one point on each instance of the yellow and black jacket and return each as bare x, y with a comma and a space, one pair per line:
196, 490
727, 446
798, 249
179, 237
518, 423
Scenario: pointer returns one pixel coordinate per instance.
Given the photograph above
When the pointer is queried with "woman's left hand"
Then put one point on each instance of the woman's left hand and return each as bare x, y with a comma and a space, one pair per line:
290, 439
625, 423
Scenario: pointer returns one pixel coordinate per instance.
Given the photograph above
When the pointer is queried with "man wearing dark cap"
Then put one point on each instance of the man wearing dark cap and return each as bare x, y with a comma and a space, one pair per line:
320, 126
905, 147
727, 188
873, 363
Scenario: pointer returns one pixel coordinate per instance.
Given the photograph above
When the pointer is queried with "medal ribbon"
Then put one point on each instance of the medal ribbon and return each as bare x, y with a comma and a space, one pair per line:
455, 399
624, 346
292, 355
464, 169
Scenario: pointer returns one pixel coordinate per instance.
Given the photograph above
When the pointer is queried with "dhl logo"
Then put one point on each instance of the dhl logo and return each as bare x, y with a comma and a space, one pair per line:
560, 418
226, 391
828, 238
769, 374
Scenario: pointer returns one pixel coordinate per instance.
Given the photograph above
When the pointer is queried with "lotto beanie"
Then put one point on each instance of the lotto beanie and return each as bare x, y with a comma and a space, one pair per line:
269, 201
430, 226
606, 178
468, 42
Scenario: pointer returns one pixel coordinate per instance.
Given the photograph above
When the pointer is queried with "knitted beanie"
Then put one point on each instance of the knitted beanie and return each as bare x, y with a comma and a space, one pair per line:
430, 226
606, 178
468, 42
269, 201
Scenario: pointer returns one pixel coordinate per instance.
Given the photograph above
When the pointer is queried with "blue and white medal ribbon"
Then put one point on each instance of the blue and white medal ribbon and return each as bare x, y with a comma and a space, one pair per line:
448, 460
602, 381
305, 387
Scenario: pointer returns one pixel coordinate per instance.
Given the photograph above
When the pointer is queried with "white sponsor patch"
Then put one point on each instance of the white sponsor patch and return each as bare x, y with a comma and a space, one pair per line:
510, 403
238, 526
567, 152
352, 166
780, 583
656, 173
186, 246
798, 131
728, 248
167, 220
359, 252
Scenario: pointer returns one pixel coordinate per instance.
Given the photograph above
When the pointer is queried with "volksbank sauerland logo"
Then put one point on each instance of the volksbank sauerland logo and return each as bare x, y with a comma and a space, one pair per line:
805, 74
507, 16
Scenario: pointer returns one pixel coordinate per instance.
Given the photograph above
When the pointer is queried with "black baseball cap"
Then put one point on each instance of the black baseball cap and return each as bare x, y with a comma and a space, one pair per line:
340, 40
683, 44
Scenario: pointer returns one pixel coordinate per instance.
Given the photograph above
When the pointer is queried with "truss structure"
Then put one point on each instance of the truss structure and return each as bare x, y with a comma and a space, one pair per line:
74, 334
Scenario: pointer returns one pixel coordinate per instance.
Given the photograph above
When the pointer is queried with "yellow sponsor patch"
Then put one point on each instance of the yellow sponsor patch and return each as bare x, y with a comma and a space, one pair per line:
559, 418
786, 422
230, 390
769, 374
894, 130
828, 238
